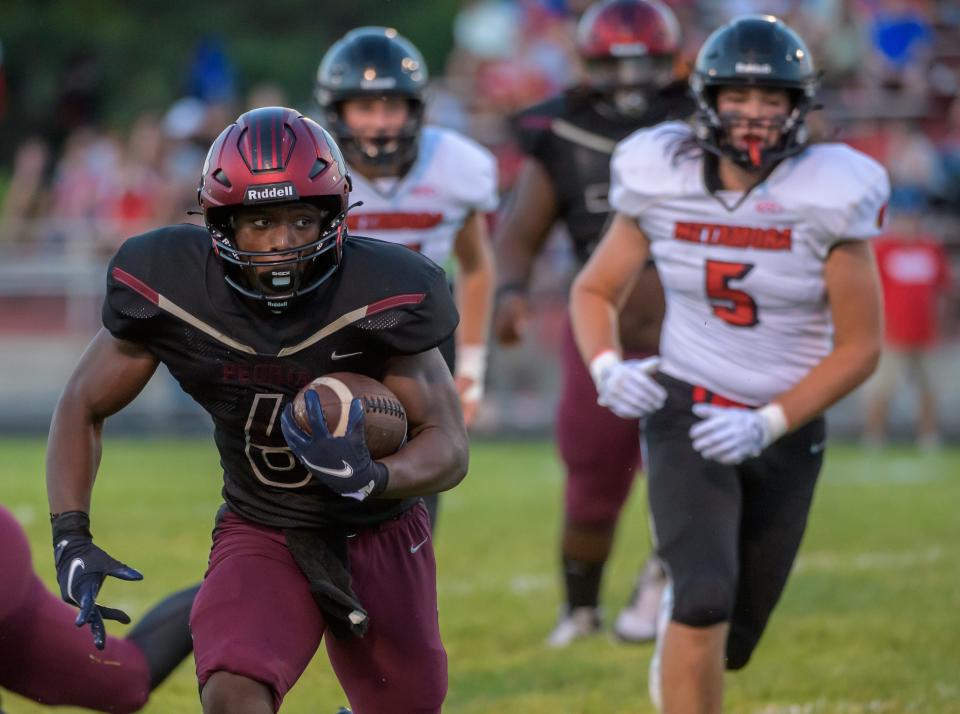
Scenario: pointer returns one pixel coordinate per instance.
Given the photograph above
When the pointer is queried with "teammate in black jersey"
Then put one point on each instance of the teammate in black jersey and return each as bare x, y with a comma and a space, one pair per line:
629, 48
314, 534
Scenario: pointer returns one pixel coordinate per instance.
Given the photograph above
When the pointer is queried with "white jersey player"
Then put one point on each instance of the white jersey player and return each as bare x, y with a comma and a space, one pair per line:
452, 181
425, 187
748, 315
772, 315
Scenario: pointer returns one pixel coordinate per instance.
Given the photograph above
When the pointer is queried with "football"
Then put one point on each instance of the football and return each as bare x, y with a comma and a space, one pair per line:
386, 419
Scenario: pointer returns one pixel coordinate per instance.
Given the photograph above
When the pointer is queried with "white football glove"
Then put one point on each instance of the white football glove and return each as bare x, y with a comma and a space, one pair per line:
626, 387
730, 435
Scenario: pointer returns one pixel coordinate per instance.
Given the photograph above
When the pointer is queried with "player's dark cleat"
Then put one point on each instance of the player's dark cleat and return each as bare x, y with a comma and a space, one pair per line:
344, 710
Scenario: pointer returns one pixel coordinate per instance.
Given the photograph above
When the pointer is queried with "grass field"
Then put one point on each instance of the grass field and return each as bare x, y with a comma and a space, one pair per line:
870, 621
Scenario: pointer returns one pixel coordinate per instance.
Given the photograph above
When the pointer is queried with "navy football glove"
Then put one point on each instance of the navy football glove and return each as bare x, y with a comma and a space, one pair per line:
341, 463
81, 570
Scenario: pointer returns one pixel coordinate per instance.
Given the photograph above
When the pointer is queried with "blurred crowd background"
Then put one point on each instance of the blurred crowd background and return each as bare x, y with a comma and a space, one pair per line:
107, 109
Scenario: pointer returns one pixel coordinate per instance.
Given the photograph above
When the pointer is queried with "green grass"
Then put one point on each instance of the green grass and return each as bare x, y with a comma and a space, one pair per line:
870, 621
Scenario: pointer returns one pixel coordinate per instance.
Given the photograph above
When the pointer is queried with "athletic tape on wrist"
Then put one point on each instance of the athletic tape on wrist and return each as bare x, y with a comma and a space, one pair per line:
775, 420
600, 364
472, 362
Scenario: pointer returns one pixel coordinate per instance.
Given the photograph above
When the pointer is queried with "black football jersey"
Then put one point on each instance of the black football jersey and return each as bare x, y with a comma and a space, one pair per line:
242, 363
574, 142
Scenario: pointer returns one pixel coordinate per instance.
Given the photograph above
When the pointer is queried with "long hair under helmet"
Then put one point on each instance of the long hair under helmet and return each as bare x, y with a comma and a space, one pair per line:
754, 51
629, 48
268, 156
373, 62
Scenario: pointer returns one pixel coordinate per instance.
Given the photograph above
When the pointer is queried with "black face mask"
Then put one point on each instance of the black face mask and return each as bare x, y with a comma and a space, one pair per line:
627, 84
292, 272
395, 152
713, 131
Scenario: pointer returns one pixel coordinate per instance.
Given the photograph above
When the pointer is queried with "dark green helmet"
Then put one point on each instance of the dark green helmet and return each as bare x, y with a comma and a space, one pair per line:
761, 51
373, 62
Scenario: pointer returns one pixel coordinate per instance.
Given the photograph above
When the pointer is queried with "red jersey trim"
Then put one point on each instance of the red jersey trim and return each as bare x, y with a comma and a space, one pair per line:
168, 306
393, 221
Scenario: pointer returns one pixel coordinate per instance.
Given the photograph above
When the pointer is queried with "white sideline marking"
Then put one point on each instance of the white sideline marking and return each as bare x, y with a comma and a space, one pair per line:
531, 582
890, 470
823, 706
521, 584
880, 560
24, 513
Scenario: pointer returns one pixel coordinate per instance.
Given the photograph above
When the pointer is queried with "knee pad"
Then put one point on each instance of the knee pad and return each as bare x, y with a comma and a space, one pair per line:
702, 600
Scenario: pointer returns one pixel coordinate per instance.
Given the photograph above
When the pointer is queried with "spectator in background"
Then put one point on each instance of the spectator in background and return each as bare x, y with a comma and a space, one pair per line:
508, 56
25, 200
184, 128
902, 41
913, 161
138, 196
915, 274
82, 176
212, 75
949, 154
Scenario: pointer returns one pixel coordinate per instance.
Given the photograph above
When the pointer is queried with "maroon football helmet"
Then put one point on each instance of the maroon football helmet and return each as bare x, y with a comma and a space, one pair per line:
268, 156
629, 48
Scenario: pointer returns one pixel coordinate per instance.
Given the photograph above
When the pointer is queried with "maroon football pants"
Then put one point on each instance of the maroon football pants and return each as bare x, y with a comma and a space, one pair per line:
44, 656
600, 450
255, 616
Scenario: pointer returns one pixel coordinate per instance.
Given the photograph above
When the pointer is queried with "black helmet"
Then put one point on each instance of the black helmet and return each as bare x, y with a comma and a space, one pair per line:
373, 62
761, 51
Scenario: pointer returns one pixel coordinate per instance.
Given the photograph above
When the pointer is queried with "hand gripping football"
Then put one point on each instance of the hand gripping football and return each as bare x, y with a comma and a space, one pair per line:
385, 417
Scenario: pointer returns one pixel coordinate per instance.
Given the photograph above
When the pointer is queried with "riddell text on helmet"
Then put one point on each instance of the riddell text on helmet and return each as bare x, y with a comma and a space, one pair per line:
271, 192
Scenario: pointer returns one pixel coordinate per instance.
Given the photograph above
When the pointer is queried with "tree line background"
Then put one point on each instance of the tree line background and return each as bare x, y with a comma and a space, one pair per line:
137, 55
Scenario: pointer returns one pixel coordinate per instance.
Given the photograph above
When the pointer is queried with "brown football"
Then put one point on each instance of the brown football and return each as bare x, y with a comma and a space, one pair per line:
386, 419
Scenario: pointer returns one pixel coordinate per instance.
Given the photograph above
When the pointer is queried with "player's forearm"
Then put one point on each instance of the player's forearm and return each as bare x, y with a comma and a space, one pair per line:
475, 301
73, 454
514, 265
434, 460
838, 374
594, 318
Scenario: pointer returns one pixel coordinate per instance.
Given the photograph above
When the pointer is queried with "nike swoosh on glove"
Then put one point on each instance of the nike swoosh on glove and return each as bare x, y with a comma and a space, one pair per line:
81, 569
731, 435
626, 387
341, 463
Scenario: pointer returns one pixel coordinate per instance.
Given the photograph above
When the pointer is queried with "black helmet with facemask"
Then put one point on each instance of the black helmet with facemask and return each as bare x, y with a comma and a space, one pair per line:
373, 63
754, 51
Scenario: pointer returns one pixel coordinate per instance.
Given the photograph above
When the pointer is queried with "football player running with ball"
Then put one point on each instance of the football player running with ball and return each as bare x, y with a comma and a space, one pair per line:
629, 48
773, 314
315, 539
424, 187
